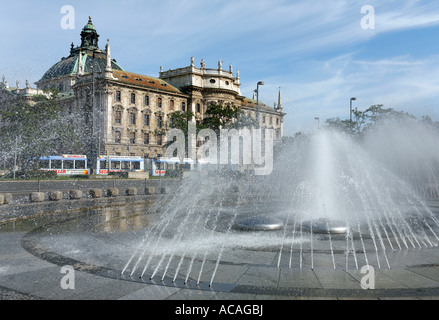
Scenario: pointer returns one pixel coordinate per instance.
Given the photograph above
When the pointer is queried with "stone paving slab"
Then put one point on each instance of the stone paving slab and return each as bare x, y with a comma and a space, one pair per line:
336, 279
427, 271
260, 276
151, 292
382, 281
299, 278
409, 279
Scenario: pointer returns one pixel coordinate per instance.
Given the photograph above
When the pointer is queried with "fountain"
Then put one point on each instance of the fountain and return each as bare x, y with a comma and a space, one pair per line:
331, 202
329, 195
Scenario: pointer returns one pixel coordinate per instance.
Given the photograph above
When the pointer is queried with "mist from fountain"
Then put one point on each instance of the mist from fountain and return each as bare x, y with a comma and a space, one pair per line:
334, 193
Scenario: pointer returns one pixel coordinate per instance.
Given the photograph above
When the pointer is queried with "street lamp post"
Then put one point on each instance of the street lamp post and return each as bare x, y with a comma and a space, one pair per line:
318, 121
260, 83
350, 109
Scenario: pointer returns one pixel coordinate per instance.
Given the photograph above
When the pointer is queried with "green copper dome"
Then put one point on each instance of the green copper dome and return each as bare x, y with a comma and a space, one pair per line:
70, 65
89, 51
89, 27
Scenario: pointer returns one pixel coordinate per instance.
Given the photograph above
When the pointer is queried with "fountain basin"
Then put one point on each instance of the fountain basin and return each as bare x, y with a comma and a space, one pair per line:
325, 226
259, 223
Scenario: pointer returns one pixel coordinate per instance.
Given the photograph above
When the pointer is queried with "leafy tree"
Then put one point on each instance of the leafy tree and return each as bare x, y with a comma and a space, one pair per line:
244, 121
180, 120
220, 117
217, 117
366, 120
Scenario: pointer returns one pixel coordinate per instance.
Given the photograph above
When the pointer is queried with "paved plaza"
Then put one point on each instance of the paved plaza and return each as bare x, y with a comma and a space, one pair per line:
34, 252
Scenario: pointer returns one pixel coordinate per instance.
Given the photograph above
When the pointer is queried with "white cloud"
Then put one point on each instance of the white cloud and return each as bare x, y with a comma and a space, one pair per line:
403, 83
407, 15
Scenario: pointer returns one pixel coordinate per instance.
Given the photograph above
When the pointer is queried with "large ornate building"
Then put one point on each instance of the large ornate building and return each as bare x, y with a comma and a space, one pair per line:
124, 113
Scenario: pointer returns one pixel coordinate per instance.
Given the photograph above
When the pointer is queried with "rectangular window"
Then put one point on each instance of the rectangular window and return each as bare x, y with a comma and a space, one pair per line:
146, 138
133, 98
118, 96
132, 137
183, 106
159, 140
118, 117
146, 100
146, 119
159, 122
117, 136
132, 118
263, 119
159, 102
198, 108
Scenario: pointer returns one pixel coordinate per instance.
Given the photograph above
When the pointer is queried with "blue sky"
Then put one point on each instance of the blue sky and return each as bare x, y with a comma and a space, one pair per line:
316, 50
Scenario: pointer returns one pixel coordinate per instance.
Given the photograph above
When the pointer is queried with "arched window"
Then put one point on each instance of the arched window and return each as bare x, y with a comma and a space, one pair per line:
159, 102
171, 104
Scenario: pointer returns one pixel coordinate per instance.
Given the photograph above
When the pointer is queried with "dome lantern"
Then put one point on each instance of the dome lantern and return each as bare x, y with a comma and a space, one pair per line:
89, 36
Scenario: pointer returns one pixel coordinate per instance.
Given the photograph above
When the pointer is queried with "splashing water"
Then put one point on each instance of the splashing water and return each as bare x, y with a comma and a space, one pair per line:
352, 201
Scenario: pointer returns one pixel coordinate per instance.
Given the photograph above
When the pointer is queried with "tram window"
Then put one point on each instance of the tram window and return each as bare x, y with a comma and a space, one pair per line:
44, 164
135, 165
68, 164
56, 164
80, 165
115, 165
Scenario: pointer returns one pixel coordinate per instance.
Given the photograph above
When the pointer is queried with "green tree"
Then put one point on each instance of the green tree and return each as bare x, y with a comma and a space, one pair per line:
220, 117
217, 117
367, 119
180, 120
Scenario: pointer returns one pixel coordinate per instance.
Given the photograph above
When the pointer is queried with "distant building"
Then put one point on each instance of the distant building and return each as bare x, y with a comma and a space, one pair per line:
124, 113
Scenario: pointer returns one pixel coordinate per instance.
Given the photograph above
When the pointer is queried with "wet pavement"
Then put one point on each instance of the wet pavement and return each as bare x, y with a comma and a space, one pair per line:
80, 255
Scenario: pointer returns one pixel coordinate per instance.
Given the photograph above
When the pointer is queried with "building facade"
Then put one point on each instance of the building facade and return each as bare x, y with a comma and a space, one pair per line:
124, 113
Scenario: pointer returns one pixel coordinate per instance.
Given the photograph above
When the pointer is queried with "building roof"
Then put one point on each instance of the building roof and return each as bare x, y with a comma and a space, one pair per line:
144, 81
69, 65
253, 103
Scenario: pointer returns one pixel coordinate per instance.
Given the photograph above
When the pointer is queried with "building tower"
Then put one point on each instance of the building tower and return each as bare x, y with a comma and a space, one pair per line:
89, 36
